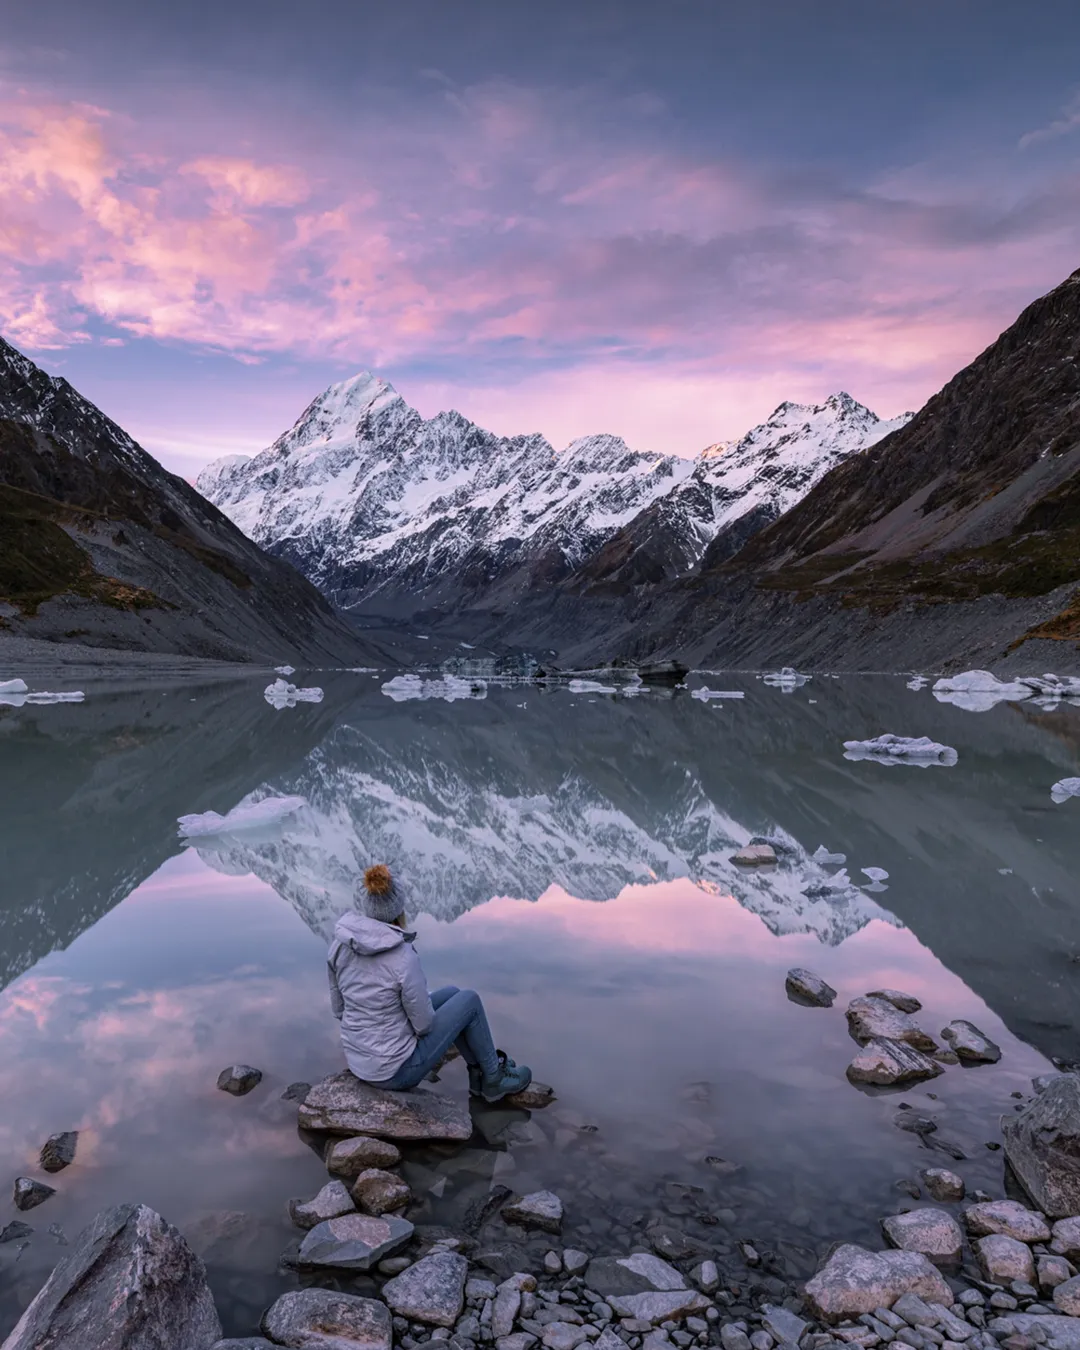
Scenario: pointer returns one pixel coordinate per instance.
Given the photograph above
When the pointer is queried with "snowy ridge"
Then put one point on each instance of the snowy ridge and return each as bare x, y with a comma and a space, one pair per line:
366, 496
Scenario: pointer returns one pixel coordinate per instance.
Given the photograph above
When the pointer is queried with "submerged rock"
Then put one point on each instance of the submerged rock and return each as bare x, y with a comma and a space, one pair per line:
534, 1098
659, 1305
239, 1079
1008, 1217
941, 1184
877, 1019
1004, 1259
657, 1274
28, 1193
541, 1209
320, 1319
350, 1157
58, 1151
296, 1092
931, 1231
803, 986
16, 1231
378, 1192
130, 1282
884, 1063
331, 1202
354, 1241
343, 1104
1042, 1144
855, 1281
431, 1291
972, 1046
906, 1003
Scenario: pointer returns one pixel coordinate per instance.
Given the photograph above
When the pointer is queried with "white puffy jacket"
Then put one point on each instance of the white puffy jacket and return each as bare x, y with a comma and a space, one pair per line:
379, 994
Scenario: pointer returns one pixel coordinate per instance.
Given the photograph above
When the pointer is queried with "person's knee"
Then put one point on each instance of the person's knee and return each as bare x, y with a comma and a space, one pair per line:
470, 998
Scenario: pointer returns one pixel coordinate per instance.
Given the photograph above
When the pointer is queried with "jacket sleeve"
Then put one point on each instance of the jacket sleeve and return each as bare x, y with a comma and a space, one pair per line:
415, 998
337, 1003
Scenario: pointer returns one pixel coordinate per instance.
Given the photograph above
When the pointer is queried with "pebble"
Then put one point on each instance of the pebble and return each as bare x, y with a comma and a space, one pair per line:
379, 1192
574, 1261
552, 1263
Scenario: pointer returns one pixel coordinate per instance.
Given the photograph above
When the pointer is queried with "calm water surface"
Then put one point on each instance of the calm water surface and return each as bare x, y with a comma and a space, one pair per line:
567, 855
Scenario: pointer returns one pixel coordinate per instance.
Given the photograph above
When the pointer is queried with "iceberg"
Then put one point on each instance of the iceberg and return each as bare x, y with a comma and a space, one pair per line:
822, 856
281, 694
889, 749
918, 682
875, 873
590, 687
1064, 789
979, 690
285, 670
241, 819
16, 693
13, 687
786, 679
705, 693
449, 688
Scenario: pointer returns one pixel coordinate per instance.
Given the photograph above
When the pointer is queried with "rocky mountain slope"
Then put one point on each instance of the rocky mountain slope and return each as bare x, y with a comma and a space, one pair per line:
392, 514
100, 544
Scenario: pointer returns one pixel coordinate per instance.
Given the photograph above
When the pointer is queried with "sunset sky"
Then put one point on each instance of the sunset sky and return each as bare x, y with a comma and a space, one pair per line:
653, 219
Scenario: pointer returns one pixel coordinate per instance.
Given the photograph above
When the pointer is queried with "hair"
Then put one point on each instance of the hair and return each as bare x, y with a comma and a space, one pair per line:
377, 880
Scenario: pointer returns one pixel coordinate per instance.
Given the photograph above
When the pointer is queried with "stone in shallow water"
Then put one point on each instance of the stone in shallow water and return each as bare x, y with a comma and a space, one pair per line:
16, 1231
876, 1019
350, 1157
353, 1242
1004, 1259
941, 1184
855, 1281
296, 1092
1008, 1217
379, 1192
319, 1319
803, 986
534, 1098
239, 1079
58, 1151
970, 1044
541, 1209
659, 1305
28, 1193
574, 1262
607, 1275
130, 1280
907, 1003
931, 1231
431, 1291
331, 1202
656, 1272
885, 1063
343, 1104
1042, 1144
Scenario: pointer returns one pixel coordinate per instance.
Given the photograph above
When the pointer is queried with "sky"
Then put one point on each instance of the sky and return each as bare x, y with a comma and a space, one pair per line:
568, 217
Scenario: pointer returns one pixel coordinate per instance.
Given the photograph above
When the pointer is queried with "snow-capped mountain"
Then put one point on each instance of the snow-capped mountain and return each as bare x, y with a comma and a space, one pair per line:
385, 510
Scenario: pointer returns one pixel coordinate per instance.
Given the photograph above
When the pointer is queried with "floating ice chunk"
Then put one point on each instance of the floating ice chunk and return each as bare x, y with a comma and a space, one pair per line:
281, 694
362, 670
285, 670
13, 687
252, 816
839, 881
590, 687
14, 694
1005, 871
889, 749
786, 679
918, 682
979, 690
705, 693
449, 688
875, 873
1065, 788
822, 856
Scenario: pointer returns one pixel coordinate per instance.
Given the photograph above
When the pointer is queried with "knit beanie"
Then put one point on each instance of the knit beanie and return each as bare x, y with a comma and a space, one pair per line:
379, 897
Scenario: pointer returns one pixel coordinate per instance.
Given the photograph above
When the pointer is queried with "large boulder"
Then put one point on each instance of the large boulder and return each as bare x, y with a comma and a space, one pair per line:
855, 1281
343, 1104
130, 1282
1042, 1144
320, 1319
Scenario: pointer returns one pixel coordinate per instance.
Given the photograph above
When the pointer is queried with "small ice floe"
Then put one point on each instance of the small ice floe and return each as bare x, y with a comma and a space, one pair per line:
285, 670
281, 694
590, 687
241, 819
875, 873
1065, 788
705, 693
822, 856
820, 886
918, 682
449, 688
362, 670
1005, 871
16, 693
889, 749
786, 679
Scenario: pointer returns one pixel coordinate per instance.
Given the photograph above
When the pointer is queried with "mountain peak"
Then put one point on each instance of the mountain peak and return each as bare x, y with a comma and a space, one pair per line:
338, 411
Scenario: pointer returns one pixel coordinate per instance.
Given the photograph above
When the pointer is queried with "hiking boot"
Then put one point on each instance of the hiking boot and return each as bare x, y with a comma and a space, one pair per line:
506, 1065
510, 1078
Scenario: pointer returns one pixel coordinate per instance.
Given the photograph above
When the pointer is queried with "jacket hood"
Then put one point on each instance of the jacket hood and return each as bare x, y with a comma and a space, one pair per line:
367, 936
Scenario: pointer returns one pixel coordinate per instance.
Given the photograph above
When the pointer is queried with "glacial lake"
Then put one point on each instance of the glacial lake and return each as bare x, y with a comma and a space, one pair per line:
568, 855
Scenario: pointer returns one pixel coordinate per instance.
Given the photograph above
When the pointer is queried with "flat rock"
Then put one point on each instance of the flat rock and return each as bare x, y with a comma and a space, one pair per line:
431, 1291
1065, 1238
320, 1319
659, 1305
933, 1232
1004, 1259
656, 1272
803, 986
58, 1151
350, 1157
941, 1184
782, 1325
28, 1193
1008, 1217
354, 1241
534, 1098
541, 1209
129, 1282
855, 1281
1067, 1296
906, 1003
884, 1063
755, 855
1042, 1144
970, 1043
239, 1079
331, 1202
607, 1275
379, 1192
504, 1309
872, 1019
1061, 1333
343, 1104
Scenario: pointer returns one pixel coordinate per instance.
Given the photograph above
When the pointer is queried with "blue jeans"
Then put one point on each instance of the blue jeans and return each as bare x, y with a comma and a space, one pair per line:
459, 1019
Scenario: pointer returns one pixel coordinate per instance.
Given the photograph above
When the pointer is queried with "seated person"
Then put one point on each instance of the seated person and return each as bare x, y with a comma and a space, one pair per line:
393, 1031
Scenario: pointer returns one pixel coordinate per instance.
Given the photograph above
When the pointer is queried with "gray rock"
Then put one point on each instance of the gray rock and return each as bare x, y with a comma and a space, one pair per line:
350, 1157
239, 1079
674, 1245
1004, 1259
1061, 1333
941, 1184
477, 1289
28, 1193
905, 1003
129, 1282
505, 1309
659, 1305
855, 1281
732, 1338
1067, 1296
343, 1104
574, 1262
915, 1310
885, 1063
541, 1209
244, 1343
954, 1328
379, 1192
933, 1232
803, 986
296, 1092
332, 1201
58, 1151
609, 1341
1008, 1217
657, 1273
563, 1335
394, 1265
782, 1325
431, 1291
1049, 1270
706, 1276
970, 1043
1066, 1238
607, 1275
354, 1242
1042, 1144
534, 1098
755, 855
553, 1263
522, 1340
320, 1319
761, 1340
16, 1231
871, 1019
